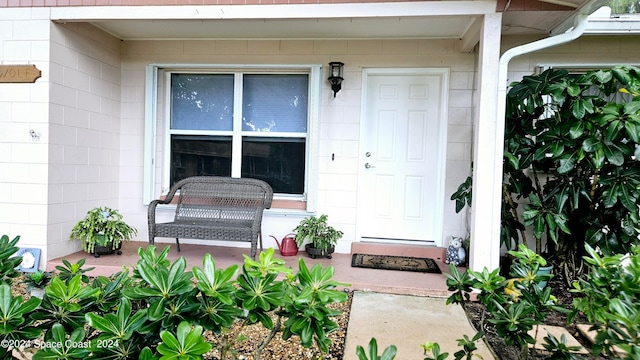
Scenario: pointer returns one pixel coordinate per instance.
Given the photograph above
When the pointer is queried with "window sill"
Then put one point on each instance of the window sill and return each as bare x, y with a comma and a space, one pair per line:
276, 204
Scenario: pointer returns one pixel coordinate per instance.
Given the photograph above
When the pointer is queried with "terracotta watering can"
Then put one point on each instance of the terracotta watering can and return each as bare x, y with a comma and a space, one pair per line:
288, 246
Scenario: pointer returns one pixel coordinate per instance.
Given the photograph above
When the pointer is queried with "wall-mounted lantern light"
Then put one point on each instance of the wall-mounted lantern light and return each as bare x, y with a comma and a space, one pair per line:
335, 76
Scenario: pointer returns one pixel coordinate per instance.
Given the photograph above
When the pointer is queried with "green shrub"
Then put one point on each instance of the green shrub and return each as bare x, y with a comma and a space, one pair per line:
515, 305
162, 310
610, 299
388, 354
8, 261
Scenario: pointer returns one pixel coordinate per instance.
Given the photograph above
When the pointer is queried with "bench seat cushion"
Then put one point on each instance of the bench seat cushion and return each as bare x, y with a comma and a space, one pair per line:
210, 229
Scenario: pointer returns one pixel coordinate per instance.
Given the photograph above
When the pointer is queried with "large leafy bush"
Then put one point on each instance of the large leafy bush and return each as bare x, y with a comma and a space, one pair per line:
571, 156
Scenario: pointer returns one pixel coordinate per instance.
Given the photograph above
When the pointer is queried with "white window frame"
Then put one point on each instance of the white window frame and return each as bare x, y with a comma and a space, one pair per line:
152, 157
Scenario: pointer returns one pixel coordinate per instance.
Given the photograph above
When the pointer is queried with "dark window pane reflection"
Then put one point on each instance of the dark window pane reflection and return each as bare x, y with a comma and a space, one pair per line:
278, 161
193, 155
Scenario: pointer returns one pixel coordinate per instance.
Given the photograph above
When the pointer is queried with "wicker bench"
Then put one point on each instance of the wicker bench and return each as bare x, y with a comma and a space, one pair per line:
214, 208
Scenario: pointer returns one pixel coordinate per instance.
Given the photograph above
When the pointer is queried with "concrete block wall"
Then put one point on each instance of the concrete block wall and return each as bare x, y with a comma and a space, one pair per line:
24, 130
85, 121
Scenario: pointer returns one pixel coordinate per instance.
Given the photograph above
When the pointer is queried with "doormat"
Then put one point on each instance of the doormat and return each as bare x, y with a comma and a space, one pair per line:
390, 262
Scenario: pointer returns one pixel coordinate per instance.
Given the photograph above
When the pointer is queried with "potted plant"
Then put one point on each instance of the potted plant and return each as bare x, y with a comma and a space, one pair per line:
102, 231
321, 236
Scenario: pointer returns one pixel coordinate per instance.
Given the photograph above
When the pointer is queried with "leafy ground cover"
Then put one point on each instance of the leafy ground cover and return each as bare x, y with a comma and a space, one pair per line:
559, 289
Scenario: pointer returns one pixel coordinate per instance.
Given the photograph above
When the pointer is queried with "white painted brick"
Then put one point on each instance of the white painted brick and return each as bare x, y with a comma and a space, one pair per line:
110, 107
132, 110
339, 131
17, 13
63, 55
56, 73
76, 155
62, 174
332, 114
5, 152
63, 95
458, 116
15, 93
5, 110
338, 182
39, 92
32, 29
461, 80
88, 101
399, 47
89, 66
13, 132
40, 52
459, 133
16, 50
460, 98
33, 153
74, 192
76, 118
199, 47
14, 213
325, 47
296, 47
341, 165
456, 151
351, 114
436, 46
29, 193
365, 47
14, 173
342, 199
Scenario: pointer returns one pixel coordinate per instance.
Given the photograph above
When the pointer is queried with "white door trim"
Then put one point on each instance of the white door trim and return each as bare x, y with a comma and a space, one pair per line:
441, 156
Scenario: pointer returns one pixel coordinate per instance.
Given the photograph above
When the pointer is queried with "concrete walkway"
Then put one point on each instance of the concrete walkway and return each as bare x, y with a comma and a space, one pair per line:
407, 322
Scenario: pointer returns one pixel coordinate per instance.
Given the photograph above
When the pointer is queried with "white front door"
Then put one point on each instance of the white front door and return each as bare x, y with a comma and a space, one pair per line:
402, 160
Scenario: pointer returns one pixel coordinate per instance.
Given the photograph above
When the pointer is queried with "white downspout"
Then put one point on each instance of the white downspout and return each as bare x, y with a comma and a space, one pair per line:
577, 31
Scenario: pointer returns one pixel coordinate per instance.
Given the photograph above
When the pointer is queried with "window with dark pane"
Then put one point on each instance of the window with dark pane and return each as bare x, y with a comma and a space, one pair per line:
195, 155
270, 121
278, 161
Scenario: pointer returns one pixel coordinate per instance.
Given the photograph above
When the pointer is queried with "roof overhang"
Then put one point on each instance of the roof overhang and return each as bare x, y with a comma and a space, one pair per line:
457, 19
437, 19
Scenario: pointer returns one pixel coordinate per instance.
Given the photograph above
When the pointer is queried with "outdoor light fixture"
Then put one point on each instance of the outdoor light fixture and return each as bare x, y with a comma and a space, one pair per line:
335, 76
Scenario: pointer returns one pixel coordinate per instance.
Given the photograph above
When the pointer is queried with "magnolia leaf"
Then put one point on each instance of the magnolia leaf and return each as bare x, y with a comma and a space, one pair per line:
633, 130
567, 163
614, 154
591, 144
577, 130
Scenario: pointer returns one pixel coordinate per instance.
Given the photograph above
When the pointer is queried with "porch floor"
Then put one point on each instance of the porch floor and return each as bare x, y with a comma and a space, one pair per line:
383, 281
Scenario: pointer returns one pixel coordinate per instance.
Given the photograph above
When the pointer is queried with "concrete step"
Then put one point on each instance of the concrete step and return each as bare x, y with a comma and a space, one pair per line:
556, 331
585, 330
420, 251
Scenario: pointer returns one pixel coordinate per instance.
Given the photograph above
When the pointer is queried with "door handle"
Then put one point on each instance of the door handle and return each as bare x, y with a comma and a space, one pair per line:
368, 166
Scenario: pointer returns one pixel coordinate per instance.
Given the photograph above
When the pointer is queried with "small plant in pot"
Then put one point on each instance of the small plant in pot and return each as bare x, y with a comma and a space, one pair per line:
321, 236
102, 231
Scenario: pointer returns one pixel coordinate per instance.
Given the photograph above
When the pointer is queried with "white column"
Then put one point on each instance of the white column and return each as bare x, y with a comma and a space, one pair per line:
487, 154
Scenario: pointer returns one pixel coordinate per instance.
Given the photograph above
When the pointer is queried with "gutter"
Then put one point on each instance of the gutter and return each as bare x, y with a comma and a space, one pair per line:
505, 59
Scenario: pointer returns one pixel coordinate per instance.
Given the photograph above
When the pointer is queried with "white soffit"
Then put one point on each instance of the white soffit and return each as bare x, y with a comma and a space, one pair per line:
441, 27
433, 19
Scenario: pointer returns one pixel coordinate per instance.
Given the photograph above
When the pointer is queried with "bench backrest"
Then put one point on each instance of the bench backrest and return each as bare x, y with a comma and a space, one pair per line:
211, 197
